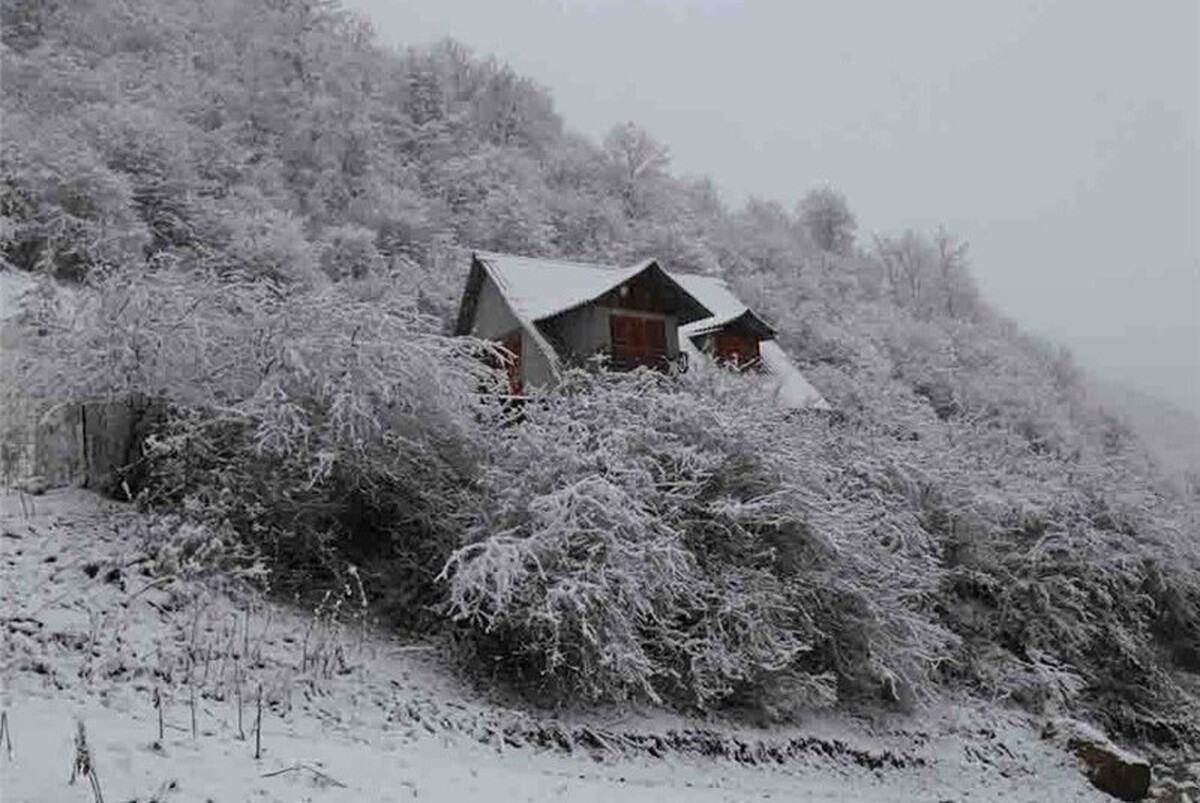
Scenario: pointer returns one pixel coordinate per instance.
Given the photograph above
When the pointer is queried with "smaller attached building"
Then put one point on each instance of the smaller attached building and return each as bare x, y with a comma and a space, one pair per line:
736, 336
551, 313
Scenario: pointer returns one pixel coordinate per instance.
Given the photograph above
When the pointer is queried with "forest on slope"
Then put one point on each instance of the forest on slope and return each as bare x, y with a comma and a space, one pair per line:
267, 217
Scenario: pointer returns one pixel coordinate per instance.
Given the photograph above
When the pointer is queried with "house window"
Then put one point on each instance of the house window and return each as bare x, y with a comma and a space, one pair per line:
739, 349
637, 340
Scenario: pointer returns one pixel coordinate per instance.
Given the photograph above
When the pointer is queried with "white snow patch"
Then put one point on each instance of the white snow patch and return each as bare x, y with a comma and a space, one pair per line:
13, 285
85, 635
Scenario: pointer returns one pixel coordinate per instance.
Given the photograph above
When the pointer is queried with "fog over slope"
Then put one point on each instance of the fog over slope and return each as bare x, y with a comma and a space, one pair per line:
1171, 433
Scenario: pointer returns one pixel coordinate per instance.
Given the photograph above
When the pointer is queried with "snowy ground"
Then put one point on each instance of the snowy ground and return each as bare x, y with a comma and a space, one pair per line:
88, 634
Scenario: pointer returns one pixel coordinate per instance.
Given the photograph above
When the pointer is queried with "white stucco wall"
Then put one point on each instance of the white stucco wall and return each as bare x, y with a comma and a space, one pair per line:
535, 367
493, 318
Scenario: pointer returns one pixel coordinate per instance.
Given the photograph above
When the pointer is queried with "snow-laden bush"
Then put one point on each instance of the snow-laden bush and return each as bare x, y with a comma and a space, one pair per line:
348, 252
321, 425
1069, 588
63, 211
639, 536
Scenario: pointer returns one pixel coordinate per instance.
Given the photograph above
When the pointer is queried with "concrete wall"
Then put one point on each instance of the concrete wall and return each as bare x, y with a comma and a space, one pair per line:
95, 444
42, 444
535, 366
494, 320
113, 433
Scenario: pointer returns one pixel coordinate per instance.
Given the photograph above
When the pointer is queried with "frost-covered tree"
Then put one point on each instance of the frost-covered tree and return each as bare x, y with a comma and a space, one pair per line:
635, 152
828, 220
637, 159
349, 252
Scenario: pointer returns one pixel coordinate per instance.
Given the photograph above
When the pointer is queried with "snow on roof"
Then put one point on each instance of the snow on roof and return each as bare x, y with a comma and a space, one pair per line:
537, 289
794, 390
715, 294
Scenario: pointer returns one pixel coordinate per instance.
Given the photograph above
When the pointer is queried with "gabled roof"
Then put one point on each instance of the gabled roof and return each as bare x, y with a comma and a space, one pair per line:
538, 289
727, 308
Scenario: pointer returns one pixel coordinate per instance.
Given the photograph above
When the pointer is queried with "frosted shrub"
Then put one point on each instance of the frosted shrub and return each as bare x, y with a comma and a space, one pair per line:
1093, 592
349, 252
62, 210
635, 536
321, 425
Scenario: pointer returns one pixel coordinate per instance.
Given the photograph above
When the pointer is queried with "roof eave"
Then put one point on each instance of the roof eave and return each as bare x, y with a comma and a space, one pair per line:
753, 321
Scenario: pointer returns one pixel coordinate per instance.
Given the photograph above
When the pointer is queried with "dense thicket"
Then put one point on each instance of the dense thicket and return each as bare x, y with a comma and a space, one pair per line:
267, 212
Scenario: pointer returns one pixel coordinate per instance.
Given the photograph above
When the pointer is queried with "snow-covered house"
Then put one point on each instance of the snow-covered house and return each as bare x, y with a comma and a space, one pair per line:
551, 313
735, 334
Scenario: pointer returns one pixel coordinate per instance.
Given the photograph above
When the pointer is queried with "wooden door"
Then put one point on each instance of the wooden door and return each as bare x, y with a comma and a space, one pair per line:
637, 340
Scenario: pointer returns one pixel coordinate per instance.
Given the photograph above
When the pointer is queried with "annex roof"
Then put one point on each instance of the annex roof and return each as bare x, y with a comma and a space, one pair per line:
715, 294
792, 391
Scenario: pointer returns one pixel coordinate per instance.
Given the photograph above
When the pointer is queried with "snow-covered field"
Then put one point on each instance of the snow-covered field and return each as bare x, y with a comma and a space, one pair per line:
89, 634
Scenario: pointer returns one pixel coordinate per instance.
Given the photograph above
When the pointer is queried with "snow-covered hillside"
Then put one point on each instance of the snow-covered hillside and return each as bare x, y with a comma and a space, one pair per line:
91, 633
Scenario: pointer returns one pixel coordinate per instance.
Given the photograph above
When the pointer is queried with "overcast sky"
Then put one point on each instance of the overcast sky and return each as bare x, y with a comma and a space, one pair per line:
1059, 138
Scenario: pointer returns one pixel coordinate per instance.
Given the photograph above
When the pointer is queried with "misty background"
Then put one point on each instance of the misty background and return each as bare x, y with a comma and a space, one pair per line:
1059, 138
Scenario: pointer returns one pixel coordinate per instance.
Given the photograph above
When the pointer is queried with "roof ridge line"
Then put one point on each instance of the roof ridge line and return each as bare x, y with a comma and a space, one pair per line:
561, 261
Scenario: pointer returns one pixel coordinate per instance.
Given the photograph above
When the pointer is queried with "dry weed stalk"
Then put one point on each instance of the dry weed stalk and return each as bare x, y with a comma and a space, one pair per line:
83, 764
237, 680
192, 705
258, 727
6, 735
323, 778
158, 706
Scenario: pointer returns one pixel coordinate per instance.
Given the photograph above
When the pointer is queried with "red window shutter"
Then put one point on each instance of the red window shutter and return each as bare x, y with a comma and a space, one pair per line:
736, 348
